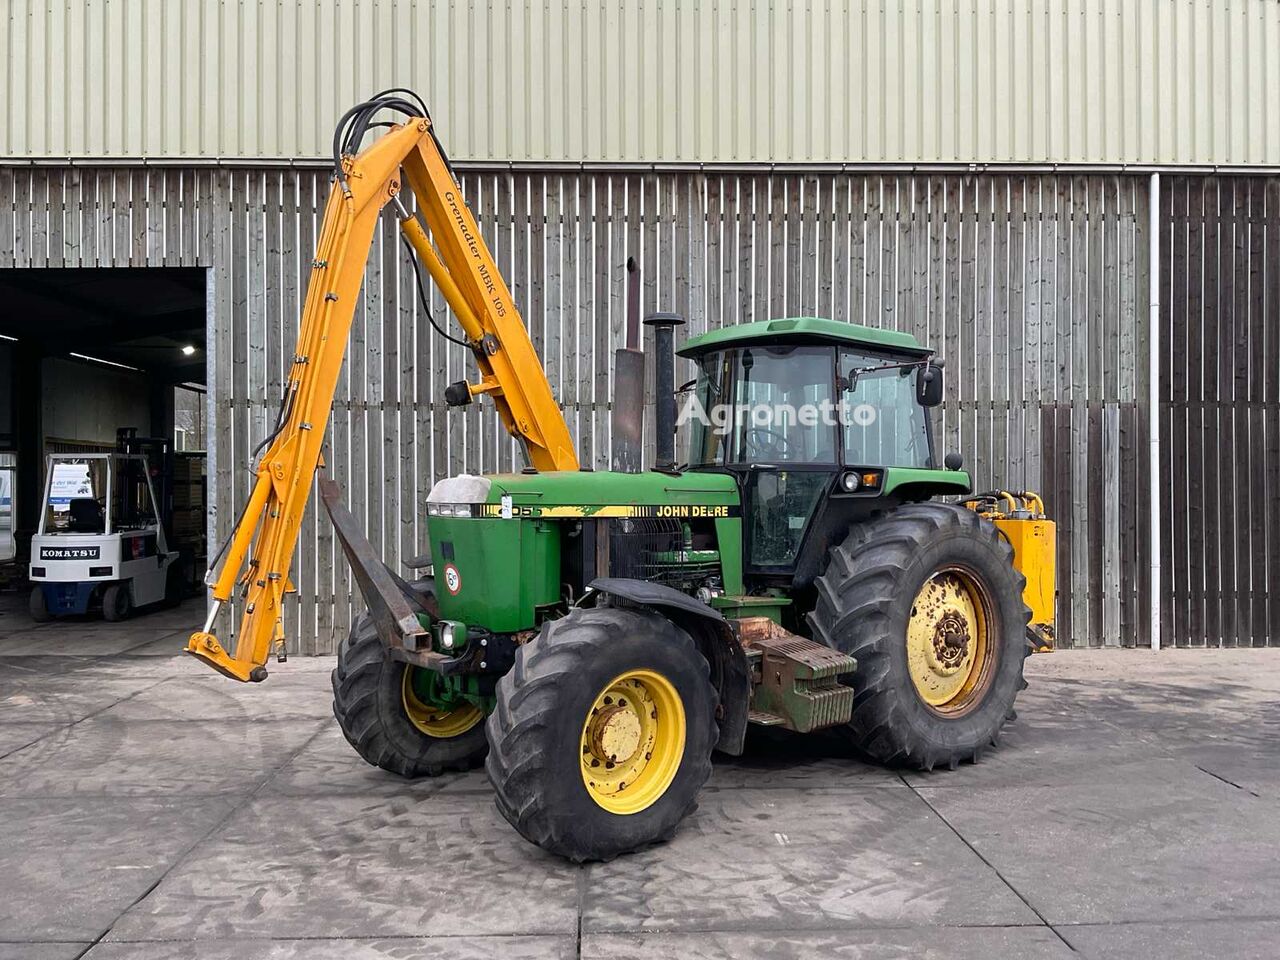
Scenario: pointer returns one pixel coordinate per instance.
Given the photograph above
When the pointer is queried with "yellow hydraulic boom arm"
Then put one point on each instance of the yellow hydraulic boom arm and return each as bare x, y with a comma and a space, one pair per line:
464, 271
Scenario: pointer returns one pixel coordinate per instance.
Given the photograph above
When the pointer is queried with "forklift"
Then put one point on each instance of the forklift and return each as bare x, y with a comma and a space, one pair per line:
593, 636
102, 543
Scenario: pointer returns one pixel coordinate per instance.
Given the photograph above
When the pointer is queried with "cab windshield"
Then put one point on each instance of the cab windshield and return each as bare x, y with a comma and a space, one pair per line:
764, 405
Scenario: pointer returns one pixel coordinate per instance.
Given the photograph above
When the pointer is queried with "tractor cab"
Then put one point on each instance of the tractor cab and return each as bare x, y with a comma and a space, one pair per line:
820, 422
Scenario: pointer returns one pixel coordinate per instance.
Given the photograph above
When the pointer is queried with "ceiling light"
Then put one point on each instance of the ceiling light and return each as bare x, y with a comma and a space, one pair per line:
188, 350
109, 363
5, 336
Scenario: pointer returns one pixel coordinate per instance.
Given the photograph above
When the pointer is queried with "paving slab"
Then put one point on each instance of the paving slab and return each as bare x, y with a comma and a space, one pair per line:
42, 951
171, 645
15, 736
763, 860
329, 765
1253, 769
779, 760
1051, 747
397, 948
107, 757
1237, 939
28, 696
115, 667
924, 943
1151, 847
196, 693
359, 867
76, 640
69, 867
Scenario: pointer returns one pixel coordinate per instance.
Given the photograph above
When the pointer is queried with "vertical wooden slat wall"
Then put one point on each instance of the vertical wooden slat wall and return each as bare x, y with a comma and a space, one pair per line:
1220, 411
1032, 287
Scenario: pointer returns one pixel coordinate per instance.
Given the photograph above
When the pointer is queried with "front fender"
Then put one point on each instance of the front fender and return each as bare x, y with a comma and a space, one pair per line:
715, 638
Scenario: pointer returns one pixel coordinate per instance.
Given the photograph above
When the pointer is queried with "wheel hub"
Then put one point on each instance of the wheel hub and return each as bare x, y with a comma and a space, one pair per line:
947, 646
951, 641
632, 741
615, 734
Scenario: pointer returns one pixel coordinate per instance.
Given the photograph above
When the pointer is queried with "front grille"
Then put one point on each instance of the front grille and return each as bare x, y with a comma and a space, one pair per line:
642, 548
648, 549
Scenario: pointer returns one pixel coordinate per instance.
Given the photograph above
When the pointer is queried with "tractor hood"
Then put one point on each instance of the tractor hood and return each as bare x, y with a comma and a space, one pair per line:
588, 493
497, 541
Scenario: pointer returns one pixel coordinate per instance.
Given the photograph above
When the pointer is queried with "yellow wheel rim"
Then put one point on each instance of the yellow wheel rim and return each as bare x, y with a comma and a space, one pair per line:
632, 741
949, 647
433, 721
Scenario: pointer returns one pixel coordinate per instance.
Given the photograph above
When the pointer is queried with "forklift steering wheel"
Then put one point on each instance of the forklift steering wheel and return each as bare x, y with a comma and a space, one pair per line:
770, 445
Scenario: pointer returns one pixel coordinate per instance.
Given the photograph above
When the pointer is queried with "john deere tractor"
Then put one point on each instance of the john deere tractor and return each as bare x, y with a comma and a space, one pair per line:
599, 635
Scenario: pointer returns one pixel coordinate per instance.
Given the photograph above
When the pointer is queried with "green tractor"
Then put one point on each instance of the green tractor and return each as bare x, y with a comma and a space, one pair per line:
598, 635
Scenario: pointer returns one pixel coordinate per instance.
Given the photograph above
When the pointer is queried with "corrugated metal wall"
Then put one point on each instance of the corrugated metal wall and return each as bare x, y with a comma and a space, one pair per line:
1067, 81
1032, 287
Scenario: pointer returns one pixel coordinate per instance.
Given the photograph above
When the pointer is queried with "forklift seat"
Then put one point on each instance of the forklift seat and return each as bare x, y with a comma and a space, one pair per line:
86, 515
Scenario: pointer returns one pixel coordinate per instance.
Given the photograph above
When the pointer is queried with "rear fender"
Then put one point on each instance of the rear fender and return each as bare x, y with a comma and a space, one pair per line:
715, 639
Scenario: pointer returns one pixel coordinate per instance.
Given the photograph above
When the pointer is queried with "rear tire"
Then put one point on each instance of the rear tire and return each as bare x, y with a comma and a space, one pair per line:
369, 704
601, 680
117, 602
36, 606
937, 673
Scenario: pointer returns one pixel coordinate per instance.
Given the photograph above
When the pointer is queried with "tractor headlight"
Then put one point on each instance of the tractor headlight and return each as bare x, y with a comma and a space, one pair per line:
447, 636
849, 481
449, 510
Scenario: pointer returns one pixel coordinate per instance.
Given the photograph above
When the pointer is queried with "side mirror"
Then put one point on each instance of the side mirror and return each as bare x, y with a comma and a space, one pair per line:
929, 383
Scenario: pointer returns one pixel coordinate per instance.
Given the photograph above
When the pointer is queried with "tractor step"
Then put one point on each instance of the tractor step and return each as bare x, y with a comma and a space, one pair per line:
796, 681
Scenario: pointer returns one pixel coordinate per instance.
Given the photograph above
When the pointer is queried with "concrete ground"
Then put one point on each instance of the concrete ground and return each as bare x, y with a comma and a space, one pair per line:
150, 809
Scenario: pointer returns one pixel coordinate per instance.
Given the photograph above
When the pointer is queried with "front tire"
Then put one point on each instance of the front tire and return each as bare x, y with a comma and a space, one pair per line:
928, 601
603, 732
37, 607
376, 706
117, 602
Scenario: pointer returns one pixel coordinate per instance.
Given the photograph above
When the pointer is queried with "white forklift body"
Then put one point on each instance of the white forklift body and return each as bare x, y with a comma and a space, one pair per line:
101, 542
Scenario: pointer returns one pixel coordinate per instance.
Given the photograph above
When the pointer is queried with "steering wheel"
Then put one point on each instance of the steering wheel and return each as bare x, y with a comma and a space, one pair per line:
761, 443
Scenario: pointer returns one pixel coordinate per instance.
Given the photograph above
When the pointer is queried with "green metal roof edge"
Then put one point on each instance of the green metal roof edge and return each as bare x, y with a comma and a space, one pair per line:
802, 327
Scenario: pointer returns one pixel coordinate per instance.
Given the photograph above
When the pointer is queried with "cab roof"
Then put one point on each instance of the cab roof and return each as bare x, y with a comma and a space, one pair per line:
803, 330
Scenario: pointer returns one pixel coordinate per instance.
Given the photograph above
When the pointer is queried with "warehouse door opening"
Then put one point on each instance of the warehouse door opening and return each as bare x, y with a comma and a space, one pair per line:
93, 360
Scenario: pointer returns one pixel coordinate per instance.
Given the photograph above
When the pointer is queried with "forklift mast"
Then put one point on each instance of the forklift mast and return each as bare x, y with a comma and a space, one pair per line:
159, 454
257, 555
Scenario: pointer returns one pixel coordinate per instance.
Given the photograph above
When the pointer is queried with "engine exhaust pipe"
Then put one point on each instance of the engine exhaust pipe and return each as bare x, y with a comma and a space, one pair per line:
626, 449
664, 386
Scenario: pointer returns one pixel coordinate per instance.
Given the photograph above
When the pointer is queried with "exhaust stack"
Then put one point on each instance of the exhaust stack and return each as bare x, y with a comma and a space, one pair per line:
664, 386
627, 444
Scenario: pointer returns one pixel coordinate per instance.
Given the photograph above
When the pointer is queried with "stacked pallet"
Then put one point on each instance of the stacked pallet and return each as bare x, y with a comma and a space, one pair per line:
189, 492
